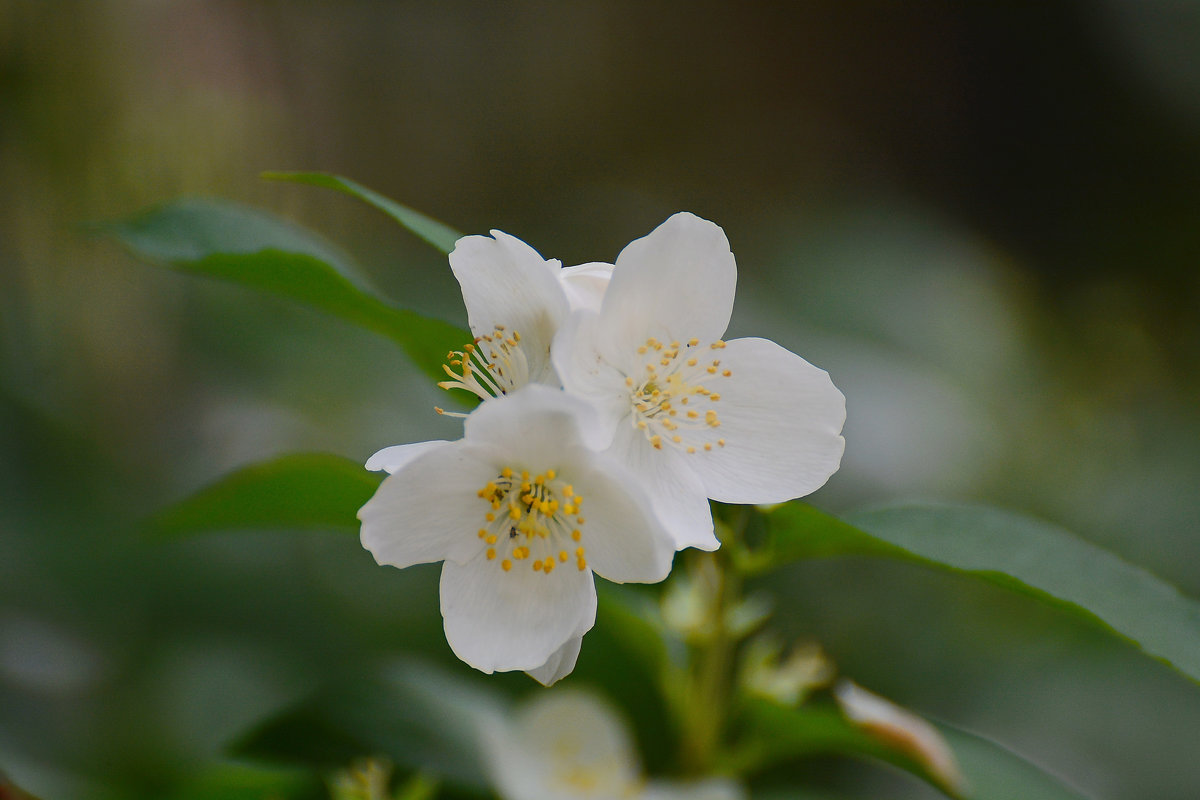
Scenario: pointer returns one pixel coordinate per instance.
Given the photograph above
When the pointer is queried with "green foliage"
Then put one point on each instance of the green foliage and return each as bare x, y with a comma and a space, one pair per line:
256, 249
437, 234
304, 490
415, 715
1015, 552
427, 722
773, 733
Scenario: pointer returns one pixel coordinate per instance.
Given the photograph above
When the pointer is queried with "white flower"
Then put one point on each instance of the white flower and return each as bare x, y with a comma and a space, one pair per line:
696, 417
504, 508
515, 302
570, 745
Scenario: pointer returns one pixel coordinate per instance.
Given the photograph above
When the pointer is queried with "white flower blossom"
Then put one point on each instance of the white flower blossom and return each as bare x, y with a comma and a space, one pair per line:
515, 302
505, 508
694, 416
570, 745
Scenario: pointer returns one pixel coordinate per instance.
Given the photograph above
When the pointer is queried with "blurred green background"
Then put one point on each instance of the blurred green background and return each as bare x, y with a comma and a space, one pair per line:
982, 218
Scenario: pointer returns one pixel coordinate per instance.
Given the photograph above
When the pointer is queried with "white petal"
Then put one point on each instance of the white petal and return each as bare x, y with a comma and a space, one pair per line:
390, 459
675, 283
559, 665
584, 371
781, 419
497, 620
711, 789
428, 510
505, 282
534, 425
585, 284
676, 493
623, 538
564, 744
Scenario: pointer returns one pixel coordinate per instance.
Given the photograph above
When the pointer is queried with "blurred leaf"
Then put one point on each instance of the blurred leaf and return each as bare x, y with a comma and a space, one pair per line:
256, 249
775, 734
418, 787
418, 716
628, 616
435, 233
302, 490
1016, 552
10, 791
994, 772
233, 781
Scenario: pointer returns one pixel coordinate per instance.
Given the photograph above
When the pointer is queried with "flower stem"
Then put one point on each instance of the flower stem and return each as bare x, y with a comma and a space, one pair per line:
710, 674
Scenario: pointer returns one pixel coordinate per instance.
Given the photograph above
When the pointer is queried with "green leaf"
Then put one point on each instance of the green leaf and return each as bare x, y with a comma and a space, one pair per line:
418, 716
235, 781
994, 772
256, 249
775, 734
1016, 552
306, 490
439, 235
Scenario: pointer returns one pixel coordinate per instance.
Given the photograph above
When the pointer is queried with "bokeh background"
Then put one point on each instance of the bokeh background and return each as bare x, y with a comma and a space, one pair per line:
982, 218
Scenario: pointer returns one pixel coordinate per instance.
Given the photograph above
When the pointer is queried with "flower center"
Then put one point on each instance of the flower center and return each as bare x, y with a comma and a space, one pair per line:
489, 366
535, 519
668, 399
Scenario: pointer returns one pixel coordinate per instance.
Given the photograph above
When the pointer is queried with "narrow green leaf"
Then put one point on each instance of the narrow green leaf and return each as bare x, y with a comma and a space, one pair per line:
439, 235
776, 734
1016, 552
256, 249
306, 490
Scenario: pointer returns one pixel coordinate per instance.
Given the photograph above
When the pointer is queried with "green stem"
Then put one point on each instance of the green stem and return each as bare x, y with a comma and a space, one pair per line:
705, 708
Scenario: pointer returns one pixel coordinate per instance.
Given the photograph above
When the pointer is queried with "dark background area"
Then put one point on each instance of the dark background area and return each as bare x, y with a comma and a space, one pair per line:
982, 218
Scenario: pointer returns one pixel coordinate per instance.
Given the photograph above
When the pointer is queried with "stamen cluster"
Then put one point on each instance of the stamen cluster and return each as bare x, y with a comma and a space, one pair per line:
532, 518
669, 403
491, 365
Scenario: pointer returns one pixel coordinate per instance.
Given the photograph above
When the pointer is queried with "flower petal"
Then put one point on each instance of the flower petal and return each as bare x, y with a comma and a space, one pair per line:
390, 459
585, 372
710, 789
781, 420
675, 283
559, 665
419, 513
506, 282
563, 744
497, 620
585, 284
535, 424
676, 493
623, 538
